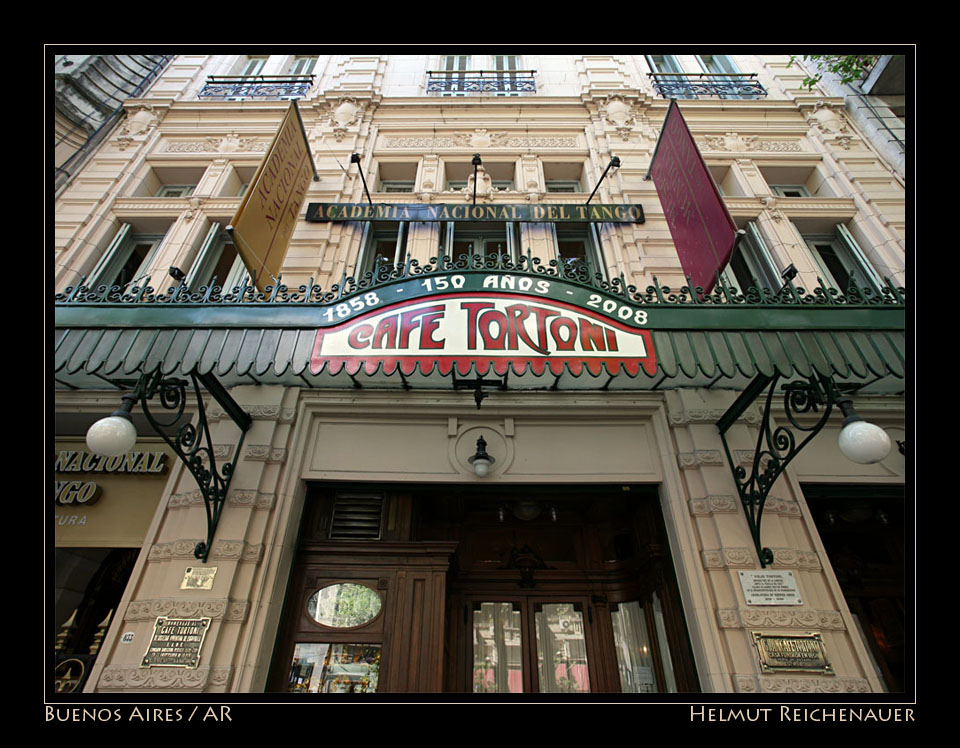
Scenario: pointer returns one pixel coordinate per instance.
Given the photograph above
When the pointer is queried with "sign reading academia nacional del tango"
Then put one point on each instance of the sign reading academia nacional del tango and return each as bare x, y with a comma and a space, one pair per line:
496, 320
544, 213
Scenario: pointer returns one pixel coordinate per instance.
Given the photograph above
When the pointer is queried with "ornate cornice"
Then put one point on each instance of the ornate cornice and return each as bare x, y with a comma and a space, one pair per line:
238, 497
237, 550
746, 558
799, 684
780, 617
223, 609
699, 458
118, 677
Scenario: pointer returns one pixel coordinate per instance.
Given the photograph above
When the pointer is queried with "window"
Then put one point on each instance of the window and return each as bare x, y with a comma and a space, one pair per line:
789, 190
726, 70
127, 259
302, 65
384, 243
751, 265
673, 84
841, 262
396, 176
251, 65
454, 68
506, 67
176, 190
577, 249
217, 262
563, 176
501, 174
481, 238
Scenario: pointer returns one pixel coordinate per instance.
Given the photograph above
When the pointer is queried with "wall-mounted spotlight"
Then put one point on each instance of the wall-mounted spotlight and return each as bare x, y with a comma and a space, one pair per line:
614, 164
476, 162
481, 461
355, 159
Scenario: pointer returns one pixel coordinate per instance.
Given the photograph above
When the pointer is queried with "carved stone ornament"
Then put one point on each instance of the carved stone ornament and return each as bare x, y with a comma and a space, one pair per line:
140, 120
620, 114
732, 142
344, 113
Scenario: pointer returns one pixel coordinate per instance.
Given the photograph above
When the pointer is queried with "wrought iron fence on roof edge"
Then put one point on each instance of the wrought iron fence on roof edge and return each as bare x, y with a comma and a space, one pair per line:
722, 294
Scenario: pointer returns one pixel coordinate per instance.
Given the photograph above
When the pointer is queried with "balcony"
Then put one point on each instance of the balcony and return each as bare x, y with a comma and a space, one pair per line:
495, 82
256, 86
694, 85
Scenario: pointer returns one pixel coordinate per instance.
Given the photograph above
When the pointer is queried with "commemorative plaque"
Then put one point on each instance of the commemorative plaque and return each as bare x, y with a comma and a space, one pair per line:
198, 578
176, 642
793, 653
770, 588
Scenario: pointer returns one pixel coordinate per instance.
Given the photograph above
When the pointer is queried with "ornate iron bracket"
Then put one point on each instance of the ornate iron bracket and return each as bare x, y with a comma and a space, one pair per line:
192, 443
775, 447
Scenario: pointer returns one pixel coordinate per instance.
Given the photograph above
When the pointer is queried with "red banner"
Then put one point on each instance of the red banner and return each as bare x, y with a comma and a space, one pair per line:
702, 228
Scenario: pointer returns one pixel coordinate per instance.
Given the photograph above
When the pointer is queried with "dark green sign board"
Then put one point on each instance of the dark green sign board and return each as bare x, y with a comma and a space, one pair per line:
566, 213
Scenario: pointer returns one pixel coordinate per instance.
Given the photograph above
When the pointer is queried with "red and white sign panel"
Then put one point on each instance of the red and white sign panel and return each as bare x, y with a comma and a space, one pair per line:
701, 226
498, 331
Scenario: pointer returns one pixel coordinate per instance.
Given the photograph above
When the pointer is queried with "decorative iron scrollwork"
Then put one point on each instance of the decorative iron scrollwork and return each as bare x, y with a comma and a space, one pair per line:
775, 447
191, 442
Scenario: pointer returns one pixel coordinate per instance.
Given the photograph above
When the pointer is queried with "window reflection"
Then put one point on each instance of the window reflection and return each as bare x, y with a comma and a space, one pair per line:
344, 605
334, 668
497, 655
561, 650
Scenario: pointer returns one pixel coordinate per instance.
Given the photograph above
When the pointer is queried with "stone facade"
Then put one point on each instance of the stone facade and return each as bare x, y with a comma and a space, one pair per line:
586, 108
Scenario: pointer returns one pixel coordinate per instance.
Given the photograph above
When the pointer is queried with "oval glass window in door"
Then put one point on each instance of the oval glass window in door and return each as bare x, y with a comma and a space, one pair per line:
343, 606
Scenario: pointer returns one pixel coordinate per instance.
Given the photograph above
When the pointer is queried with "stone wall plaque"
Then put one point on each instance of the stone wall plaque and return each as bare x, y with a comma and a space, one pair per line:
198, 578
176, 642
780, 653
770, 588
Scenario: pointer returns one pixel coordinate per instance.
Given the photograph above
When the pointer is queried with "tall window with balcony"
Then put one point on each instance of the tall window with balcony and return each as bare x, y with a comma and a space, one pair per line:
127, 259
496, 75
840, 261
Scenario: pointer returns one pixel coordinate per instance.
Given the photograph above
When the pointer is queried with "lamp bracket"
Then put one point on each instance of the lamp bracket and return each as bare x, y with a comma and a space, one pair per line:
192, 443
776, 445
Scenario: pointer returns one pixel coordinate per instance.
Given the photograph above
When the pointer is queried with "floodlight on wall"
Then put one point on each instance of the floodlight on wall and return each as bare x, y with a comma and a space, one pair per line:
355, 159
116, 435
481, 461
476, 162
777, 445
614, 164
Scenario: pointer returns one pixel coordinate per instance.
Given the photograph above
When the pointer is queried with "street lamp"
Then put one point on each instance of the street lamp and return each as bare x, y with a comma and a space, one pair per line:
861, 442
481, 461
114, 435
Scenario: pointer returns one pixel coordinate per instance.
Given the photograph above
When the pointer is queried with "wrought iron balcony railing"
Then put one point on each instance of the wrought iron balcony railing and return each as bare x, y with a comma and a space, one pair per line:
692, 85
256, 86
496, 82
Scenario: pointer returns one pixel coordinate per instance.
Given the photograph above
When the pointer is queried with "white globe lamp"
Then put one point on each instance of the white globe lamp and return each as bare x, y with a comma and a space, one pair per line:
115, 434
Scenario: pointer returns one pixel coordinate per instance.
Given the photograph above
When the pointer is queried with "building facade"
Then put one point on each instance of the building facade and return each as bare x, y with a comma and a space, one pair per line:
359, 547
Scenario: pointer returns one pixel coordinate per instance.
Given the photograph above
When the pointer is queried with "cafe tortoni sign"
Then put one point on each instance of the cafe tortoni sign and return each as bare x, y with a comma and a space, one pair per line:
492, 320
454, 321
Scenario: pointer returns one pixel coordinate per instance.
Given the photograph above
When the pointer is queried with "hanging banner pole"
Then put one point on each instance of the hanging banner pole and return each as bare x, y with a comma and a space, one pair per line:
702, 228
267, 216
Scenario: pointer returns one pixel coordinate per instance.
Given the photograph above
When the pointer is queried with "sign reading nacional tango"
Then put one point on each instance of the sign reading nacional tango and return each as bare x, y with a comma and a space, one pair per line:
488, 320
325, 212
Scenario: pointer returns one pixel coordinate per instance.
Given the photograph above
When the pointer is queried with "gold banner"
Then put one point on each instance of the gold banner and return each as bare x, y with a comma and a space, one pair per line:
266, 218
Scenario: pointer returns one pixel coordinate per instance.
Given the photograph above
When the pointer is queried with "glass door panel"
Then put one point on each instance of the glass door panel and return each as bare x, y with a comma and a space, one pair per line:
497, 655
334, 668
643, 657
562, 665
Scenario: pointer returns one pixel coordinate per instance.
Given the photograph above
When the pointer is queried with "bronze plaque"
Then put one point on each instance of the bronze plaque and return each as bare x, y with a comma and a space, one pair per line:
781, 653
176, 642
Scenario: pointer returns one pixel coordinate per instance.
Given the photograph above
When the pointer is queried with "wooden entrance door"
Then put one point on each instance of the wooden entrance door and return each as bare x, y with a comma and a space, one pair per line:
560, 592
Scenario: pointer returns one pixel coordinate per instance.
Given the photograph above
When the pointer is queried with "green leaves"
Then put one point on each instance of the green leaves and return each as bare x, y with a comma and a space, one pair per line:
849, 68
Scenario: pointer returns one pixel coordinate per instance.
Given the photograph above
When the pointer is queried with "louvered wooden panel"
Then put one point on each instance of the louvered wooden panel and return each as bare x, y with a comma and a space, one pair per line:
357, 517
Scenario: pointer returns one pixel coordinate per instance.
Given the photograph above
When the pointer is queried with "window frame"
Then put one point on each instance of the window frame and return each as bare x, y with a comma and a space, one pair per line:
848, 254
399, 230
780, 190
118, 253
758, 260
168, 188
207, 259
593, 255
